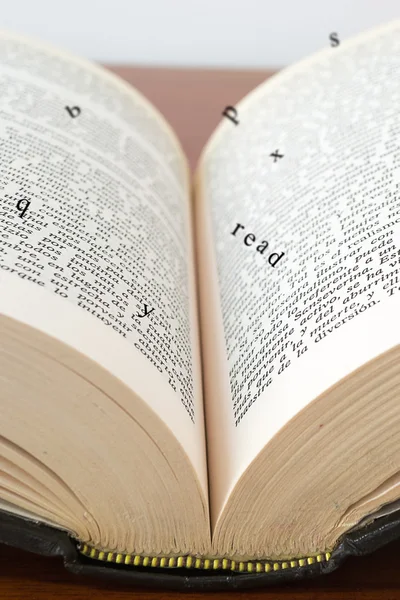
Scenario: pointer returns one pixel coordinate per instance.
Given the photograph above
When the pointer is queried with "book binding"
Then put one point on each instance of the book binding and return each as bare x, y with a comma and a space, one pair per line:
45, 540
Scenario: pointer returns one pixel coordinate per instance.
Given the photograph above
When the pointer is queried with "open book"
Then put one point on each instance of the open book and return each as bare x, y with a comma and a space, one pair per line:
201, 375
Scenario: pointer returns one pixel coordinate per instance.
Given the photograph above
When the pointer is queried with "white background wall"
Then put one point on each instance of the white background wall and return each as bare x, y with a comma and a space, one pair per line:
220, 33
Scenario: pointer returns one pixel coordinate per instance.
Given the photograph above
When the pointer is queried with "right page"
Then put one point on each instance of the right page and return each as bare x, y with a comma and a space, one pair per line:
298, 233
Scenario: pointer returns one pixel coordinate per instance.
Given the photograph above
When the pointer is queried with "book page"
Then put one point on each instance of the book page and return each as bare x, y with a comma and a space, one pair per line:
298, 224
95, 228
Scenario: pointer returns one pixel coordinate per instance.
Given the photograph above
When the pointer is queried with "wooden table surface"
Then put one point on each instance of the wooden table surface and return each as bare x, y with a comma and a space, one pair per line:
192, 101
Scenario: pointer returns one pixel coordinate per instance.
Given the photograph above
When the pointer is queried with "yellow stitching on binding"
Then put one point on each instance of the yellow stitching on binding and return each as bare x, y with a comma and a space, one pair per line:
198, 563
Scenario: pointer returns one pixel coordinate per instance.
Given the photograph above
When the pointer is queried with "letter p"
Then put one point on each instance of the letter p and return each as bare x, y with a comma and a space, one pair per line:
231, 113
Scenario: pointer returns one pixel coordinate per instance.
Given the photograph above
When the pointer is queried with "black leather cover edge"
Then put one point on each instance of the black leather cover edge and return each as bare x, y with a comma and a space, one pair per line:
48, 541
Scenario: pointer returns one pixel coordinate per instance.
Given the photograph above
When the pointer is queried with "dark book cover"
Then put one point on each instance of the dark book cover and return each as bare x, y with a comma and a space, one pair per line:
48, 541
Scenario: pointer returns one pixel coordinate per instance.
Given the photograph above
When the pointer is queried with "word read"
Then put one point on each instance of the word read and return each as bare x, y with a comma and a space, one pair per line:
250, 238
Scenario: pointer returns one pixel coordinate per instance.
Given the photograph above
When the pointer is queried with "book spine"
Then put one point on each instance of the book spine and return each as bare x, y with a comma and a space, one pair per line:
193, 562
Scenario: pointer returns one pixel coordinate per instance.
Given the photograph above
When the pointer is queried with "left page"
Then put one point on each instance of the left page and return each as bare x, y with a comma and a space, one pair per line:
95, 229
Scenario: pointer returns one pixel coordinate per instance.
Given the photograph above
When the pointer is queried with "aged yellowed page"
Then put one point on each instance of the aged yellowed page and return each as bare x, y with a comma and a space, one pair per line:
95, 229
298, 232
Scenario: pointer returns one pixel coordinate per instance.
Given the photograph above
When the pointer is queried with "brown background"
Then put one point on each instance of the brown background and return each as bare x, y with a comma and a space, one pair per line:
192, 101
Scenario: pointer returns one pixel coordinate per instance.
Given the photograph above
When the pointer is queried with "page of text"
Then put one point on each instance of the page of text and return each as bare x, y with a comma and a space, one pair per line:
95, 220
299, 208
